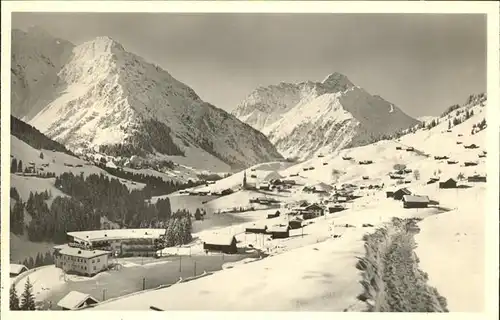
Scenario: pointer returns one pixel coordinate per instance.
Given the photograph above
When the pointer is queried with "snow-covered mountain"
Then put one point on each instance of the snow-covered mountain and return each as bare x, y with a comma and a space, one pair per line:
103, 96
320, 117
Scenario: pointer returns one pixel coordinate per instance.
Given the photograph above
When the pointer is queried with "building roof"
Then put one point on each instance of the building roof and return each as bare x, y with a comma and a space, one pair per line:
273, 175
219, 239
322, 187
74, 300
116, 234
314, 205
452, 179
404, 190
16, 268
419, 199
77, 252
257, 226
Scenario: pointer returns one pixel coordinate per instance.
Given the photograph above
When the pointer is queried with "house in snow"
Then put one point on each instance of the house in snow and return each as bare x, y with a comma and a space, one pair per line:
398, 194
220, 242
433, 180
448, 184
76, 300
476, 178
313, 211
16, 269
336, 208
322, 188
279, 231
470, 163
255, 228
273, 215
389, 194
264, 186
295, 223
414, 201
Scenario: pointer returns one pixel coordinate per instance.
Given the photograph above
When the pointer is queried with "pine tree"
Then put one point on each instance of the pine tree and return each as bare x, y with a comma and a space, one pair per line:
13, 166
31, 263
449, 124
41, 155
27, 298
13, 299
20, 166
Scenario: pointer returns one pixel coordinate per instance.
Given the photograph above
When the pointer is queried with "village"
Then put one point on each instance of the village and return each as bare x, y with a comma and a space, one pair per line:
336, 197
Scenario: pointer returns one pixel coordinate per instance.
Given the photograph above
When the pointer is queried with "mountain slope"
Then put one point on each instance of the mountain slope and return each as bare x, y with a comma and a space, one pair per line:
320, 117
37, 57
109, 98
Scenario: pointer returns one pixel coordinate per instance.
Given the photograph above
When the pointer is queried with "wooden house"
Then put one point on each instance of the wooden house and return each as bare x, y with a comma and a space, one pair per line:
470, 163
413, 201
432, 180
295, 224
389, 194
398, 148
313, 211
336, 208
471, 146
476, 178
16, 269
452, 161
273, 215
346, 158
256, 229
279, 231
398, 194
76, 300
221, 243
448, 184
410, 149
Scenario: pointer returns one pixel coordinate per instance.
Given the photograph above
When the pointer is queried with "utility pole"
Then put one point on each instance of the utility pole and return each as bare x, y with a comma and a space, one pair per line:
103, 294
180, 263
143, 283
195, 268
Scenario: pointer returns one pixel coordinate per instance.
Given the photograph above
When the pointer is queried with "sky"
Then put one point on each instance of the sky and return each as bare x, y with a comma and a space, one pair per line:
422, 63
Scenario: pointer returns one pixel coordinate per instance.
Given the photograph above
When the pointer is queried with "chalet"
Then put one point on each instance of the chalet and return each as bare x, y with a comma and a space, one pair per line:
410, 149
460, 135
256, 229
366, 162
253, 176
320, 156
407, 170
452, 161
279, 231
16, 269
221, 243
470, 163
395, 177
336, 208
441, 157
366, 177
346, 158
476, 178
311, 168
471, 146
295, 224
459, 142
449, 130
253, 169
313, 211
273, 215
400, 193
76, 300
294, 175
289, 182
413, 201
305, 169
398, 148
325, 163
482, 155
448, 184
389, 194
80, 260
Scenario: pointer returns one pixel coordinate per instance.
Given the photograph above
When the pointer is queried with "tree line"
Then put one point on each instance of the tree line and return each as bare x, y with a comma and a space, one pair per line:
27, 301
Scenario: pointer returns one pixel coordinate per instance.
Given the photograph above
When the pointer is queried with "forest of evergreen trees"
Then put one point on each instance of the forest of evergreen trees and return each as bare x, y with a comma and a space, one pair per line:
33, 137
17, 167
155, 186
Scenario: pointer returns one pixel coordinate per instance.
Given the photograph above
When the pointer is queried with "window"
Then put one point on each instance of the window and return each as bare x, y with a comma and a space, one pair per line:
93, 261
94, 268
98, 260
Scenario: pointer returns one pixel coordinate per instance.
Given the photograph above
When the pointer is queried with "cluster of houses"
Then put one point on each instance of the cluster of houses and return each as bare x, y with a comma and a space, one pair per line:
410, 200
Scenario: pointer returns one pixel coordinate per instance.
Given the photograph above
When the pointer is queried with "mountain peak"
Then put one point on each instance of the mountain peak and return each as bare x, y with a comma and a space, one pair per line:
337, 81
104, 44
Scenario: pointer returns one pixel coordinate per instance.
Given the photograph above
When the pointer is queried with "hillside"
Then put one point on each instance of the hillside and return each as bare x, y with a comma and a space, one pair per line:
310, 118
105, 98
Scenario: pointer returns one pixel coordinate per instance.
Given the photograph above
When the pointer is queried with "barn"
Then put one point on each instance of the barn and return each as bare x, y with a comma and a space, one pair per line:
398, 195
476, 178
279, 231
76, 300
412, 201
17, 269
448, 184
256, 229
220, 242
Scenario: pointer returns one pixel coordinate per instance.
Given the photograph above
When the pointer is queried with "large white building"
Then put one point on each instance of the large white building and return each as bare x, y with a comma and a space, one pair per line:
120, 242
